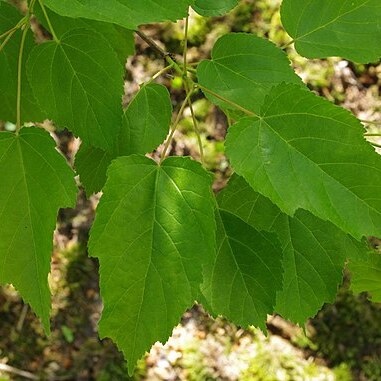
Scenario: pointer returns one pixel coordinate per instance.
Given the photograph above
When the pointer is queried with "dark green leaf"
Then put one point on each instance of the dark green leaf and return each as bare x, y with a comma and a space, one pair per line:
30, 111
120, 39
79, 83
314, 251
366, 276
214, 7
127, 13
324, 28
145, 125
35, 181
153, 232
243, 69
242, 281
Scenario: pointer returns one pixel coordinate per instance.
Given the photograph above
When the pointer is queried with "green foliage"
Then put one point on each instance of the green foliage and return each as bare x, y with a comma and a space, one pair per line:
9, 17
35, 183
90, 106
127, 13
214, 7
314, 251
304, 152
145, 124
230, 73
242, 281
322, 28
153, 233
367, 275
157, 234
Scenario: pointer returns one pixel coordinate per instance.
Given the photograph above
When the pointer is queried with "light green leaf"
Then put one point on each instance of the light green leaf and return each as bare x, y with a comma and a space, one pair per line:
79, 83
35, 181
153, 232
30, 111
120, 39
304, 152
127, 13
324, 28
243, 69
242, 281
314, 251
366, 275
214, 7
144, 127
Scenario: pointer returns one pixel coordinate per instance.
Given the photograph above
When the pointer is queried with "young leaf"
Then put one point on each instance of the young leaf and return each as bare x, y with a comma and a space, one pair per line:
243, 69
127, 13
79, 83
30, 111
145, 125
214, 7
242, 281
153, 232
35, 181
304, 152
324, 28
314, 251
120, 39
366, 276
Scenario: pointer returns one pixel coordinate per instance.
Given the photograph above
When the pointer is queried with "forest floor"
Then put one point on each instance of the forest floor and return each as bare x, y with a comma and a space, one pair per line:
342, 343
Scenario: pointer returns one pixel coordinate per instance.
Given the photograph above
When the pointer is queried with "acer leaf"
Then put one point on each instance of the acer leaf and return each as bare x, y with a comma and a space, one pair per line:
127, 13
243, 69
120, 39
79, 83
366, 276
35, 181
324, 28
242, 281
144, 127
314, 251
304, 152
214, 7
153, 232
30, 111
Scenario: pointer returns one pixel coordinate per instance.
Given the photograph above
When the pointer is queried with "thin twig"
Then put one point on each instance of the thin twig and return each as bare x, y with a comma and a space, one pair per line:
18, 372
19, 76
51, 29
20, 323
174, 127
375, 144
237, 106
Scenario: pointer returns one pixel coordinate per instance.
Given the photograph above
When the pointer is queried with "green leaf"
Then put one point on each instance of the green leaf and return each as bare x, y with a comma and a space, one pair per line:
144, 127
79, 83
243, 69
214, 7
153, 232
35, 181
30, 111
91, 164
120, 39
324, 28
366, 276
242, 281
304, 152
127, 13
314, 251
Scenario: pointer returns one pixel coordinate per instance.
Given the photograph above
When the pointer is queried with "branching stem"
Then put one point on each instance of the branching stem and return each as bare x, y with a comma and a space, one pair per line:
19, 76
174, 127
49, 22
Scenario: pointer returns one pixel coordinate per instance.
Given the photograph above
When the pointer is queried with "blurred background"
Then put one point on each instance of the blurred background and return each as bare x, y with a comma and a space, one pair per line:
343, 342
